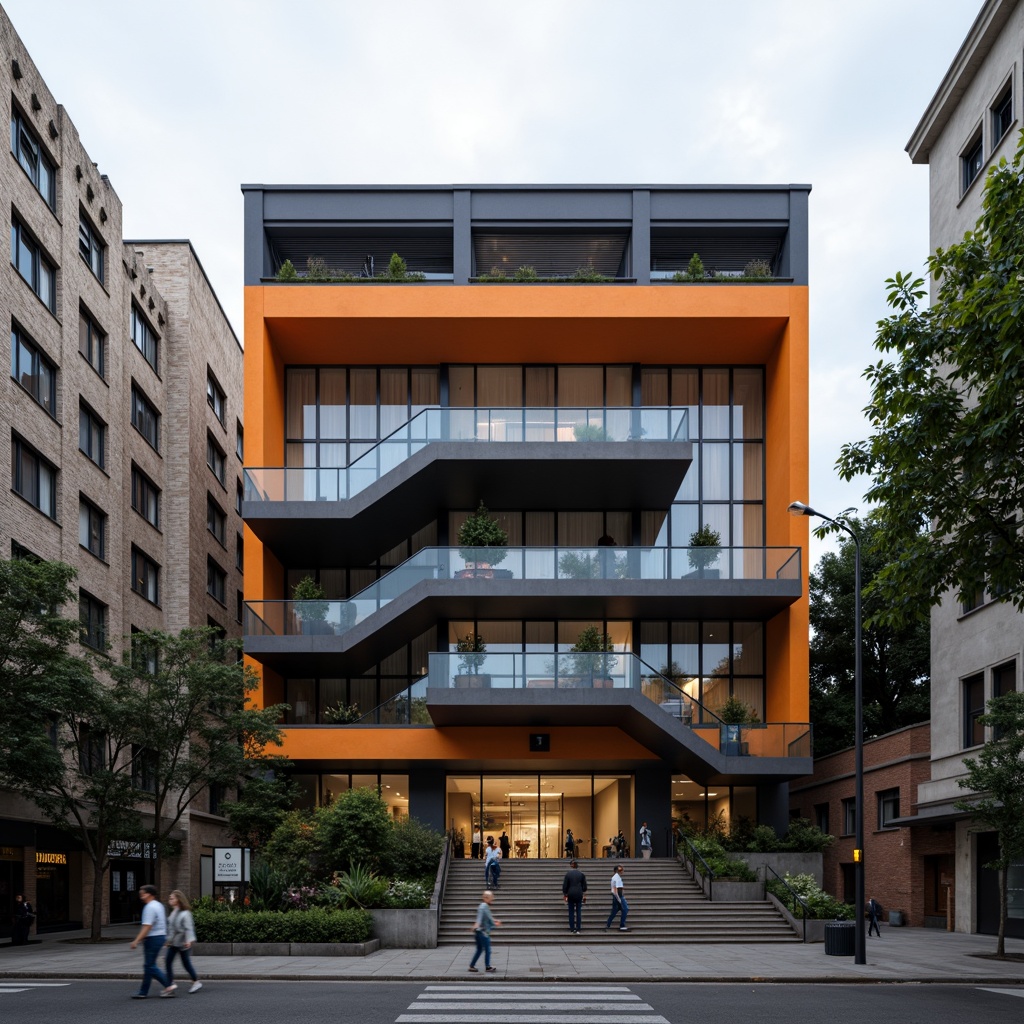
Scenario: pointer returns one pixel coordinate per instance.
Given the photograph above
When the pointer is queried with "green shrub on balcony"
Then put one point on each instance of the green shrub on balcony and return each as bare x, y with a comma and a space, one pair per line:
317, 271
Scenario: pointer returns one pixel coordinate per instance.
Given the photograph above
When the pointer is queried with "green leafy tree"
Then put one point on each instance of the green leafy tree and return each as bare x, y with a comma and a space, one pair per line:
194, 726
295, 849
896, 658
946, 415
263, 802
997, 774
65, 739
354, 830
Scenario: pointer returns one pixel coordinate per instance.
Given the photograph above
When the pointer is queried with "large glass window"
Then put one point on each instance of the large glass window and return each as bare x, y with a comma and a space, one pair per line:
33, 477
33, 159
92, 435
145, 496
144, 337
92, 528
33, 265
145, 576
974, 708
92, 343
90, 246
145, 418
92, 617
33, 371
215, 396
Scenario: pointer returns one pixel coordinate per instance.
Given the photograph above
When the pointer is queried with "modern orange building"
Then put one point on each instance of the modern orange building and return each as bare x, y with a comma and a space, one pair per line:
637, 427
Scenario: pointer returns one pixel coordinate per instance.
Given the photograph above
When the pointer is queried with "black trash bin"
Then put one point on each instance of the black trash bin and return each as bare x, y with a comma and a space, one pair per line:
840, 938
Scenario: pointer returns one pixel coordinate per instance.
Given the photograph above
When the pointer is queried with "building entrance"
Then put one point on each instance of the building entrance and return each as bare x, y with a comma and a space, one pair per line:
536, 813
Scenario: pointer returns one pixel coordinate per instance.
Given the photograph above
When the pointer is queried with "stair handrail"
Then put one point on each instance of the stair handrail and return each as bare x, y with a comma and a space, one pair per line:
693, 855
441, 882
797, 898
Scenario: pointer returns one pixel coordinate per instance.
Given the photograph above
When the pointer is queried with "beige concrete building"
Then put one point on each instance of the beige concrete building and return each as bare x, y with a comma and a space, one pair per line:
972, 122
121, 426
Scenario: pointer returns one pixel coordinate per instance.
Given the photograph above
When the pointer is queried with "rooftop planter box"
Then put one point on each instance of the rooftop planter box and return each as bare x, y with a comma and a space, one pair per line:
317, 272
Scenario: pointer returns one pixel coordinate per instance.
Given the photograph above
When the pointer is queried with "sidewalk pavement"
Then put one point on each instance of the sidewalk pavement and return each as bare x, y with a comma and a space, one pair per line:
901, 955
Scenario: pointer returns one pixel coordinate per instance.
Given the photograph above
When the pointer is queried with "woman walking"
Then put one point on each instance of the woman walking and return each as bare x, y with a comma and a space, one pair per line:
181, 933
482, 932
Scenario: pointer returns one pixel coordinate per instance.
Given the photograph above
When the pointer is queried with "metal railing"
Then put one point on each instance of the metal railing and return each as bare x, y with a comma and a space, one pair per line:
692, 855
484, 425
294, 618
796, 897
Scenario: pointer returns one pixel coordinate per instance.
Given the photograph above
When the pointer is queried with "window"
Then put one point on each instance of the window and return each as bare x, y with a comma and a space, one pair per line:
38, 272
214, 396
239, 605
215, 459
974, 600
239, 553
1002, 114
92, 528
239, 442
1004, 681
239, 493
145, 497
145, 653
92, 435
821, 817
143, 337
33, 159
145, 577
143, 769
90, 246
92, 343
215, 581
92, 750
145, 419
215, 520
888, 808
849, 816
33, 477
92, 619
971, 162
974, 708
33, 371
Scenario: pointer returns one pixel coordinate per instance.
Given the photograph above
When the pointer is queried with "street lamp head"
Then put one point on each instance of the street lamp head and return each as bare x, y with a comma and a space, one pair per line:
798, 508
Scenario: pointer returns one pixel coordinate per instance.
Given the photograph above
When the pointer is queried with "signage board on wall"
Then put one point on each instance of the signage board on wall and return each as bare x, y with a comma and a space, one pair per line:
229, 864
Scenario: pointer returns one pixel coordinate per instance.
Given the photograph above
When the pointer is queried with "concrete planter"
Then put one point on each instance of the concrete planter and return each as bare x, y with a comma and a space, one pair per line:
285, 948
780, 863
815, 928
736, 892
405, 929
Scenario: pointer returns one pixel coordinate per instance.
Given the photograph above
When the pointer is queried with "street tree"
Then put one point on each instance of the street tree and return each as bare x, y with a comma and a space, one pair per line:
947, 418
997, 775
195, 725
895, 658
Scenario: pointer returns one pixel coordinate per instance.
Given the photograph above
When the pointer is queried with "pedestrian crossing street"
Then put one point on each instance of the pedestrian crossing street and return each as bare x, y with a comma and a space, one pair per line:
12, 988
529, 1004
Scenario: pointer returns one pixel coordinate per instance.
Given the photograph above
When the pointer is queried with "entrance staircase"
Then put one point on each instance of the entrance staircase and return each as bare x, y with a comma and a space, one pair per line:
665, 905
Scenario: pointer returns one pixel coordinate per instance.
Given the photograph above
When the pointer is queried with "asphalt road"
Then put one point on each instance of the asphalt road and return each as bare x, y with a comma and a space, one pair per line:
491, 1001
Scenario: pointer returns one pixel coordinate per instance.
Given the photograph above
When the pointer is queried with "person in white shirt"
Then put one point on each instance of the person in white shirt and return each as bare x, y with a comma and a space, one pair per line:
619, 904
152, 935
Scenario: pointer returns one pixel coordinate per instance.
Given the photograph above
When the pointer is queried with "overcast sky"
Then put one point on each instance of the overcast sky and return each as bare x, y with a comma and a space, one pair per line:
180, 102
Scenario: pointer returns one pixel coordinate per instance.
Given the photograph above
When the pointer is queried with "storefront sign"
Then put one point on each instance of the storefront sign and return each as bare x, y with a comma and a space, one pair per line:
228, 864
11, 853
51, 858
123, 848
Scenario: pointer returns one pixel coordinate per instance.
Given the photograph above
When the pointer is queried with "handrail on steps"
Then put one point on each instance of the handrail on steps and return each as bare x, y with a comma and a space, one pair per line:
692, 854
797, 898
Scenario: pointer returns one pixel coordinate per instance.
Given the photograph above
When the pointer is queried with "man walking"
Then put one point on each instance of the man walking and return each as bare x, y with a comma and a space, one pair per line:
574, 892
874, 913
482, 932
619, 904
152, 935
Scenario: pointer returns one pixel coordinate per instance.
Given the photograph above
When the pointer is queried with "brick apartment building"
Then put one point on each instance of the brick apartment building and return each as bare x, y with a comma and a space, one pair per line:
905, 869
122, 415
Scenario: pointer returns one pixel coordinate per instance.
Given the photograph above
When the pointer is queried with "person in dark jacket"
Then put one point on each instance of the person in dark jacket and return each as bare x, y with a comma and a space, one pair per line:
874, 913
23, 918
574, 892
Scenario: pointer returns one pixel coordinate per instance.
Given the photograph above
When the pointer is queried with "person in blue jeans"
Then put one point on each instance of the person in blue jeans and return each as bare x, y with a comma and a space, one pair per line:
619, 904
152, 935
482, 932
492, 864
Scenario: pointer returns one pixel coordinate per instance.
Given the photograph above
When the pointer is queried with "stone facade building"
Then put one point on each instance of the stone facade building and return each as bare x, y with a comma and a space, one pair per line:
120, 426
972, 122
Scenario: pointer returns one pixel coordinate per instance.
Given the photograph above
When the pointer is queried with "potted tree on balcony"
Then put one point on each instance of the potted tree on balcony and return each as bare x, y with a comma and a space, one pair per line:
310, 607
705, 549
472, 649
735, 714
482, 544
592, 662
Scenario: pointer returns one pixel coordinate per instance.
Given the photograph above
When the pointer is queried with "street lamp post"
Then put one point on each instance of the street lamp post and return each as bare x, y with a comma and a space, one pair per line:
798, 508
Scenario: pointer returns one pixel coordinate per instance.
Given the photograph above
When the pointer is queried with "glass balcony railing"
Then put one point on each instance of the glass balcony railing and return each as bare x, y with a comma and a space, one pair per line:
500, 426
295, 618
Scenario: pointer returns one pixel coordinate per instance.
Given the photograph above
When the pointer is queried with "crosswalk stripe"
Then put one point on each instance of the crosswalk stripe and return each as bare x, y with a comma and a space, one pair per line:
505, 987
5, 991
547, 992
584, 1005
36, 984
527, 1018
1005, 991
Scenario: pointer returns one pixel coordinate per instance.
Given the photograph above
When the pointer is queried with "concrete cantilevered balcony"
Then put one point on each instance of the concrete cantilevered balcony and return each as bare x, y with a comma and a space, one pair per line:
341, 638
545, 458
